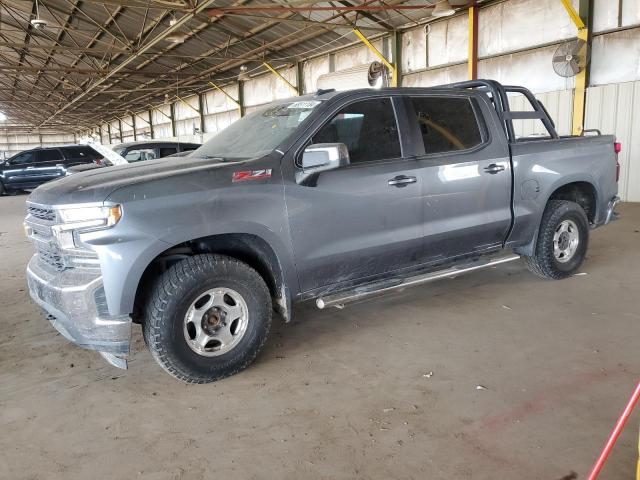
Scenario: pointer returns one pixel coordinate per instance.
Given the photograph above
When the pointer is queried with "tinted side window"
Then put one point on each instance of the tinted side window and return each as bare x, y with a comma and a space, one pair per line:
368, 128
49, 155
164, 151
27, 157
80, 153
446, 123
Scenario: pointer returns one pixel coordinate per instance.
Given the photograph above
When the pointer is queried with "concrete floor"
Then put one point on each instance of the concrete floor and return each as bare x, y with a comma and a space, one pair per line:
385, 389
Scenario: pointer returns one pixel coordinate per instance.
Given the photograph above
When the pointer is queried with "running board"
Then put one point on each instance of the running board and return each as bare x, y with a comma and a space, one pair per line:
339, 299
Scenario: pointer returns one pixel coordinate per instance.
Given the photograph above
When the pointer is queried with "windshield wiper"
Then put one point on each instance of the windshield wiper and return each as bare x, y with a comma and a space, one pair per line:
210, 157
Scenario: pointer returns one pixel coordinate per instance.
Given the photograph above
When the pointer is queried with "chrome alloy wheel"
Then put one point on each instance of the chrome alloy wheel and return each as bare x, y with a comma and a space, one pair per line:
216, 322
565, 241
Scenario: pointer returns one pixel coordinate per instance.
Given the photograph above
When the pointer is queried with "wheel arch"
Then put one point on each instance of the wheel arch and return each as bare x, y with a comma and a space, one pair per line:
248, 248
584, 193
251, 248
580, 190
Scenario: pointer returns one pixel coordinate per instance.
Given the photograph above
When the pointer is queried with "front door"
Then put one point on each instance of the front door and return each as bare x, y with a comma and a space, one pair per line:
364, 219
466, 175
17, 175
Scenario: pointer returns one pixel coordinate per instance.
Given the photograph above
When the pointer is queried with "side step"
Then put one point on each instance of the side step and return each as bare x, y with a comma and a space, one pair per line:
339, 299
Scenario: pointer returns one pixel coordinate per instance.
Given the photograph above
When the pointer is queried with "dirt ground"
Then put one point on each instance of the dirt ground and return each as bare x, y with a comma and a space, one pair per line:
380, 390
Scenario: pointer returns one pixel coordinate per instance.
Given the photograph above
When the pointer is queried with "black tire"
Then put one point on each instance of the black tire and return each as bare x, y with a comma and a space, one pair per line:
544, 262
3, 191
174, 293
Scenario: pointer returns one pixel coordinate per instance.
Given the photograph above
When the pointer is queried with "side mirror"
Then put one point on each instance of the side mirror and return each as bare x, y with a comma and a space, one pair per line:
321, 157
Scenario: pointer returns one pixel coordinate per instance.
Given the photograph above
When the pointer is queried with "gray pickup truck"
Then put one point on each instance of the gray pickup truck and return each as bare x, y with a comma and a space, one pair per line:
331, 197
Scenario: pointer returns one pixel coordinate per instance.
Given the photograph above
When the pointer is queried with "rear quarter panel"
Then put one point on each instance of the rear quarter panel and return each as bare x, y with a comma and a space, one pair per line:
540, 167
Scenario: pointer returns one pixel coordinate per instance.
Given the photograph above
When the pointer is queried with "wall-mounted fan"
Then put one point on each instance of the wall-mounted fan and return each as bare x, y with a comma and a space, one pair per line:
378, 75
570, 58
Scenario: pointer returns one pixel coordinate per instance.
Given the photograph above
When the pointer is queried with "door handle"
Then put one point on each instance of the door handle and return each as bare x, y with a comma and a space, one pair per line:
401, 181
494, 168
30, 168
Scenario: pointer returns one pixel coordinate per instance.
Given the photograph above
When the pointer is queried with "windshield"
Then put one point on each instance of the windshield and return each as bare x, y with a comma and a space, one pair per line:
259, 133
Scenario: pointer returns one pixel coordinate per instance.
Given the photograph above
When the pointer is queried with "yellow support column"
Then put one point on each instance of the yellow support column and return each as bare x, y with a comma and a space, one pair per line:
580, 91
392, 68
472, 62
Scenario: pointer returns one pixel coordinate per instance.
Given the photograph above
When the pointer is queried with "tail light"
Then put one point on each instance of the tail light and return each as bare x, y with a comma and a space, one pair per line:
617, 147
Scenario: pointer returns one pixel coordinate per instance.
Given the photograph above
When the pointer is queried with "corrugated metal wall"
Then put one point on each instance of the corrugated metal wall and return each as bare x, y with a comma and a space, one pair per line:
616, 109
10, 144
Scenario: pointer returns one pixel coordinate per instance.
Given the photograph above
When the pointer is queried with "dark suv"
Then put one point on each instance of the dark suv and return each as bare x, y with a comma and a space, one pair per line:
31, 168
148, 150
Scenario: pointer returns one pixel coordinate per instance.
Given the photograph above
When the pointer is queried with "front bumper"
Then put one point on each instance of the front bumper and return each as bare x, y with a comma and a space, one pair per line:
76, 306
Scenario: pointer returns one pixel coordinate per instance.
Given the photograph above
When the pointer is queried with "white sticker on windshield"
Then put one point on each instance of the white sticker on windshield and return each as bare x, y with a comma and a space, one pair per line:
305, 104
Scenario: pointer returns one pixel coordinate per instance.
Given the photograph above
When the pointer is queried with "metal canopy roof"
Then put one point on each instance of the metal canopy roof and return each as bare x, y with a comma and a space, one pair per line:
96, 60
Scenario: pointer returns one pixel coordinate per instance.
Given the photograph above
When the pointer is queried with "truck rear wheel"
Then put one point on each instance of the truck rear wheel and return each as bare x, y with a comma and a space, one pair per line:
207, 318
562, 240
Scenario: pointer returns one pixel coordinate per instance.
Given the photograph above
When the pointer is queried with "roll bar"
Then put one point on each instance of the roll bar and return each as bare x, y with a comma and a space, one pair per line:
499, 95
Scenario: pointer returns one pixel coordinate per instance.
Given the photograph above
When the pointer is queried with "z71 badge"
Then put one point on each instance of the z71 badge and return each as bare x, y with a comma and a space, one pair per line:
251, 175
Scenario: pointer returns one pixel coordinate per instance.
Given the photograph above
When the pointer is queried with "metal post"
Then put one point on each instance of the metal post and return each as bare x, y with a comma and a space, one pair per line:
472, 62
396, 45
151, 125
109, 132
135, 135
300, 78
581, 21
120, 129
172, 114
241, 98
201, 115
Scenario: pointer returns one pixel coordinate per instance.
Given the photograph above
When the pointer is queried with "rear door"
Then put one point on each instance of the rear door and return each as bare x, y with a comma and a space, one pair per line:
466, 173
78, 155
49, 165
166, 150
364, 219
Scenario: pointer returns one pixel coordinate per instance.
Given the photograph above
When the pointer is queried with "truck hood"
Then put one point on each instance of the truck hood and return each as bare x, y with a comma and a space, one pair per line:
95, 185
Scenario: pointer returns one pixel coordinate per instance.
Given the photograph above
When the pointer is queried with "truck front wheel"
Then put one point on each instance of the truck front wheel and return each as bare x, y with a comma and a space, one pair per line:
207, 318
562, 240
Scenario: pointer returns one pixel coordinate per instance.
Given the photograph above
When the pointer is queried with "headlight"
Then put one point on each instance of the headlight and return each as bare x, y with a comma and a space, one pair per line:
76, 220
86, 217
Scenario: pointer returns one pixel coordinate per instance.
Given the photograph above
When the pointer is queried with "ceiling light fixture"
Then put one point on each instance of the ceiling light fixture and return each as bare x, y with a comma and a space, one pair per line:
243, 76
443, 9
3, 117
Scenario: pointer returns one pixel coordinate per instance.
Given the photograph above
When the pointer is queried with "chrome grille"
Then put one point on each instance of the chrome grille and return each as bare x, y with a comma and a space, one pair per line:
41, 212
40, 219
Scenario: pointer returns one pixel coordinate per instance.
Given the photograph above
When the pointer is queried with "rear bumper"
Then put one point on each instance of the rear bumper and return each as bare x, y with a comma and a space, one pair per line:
75, 304
610, 213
